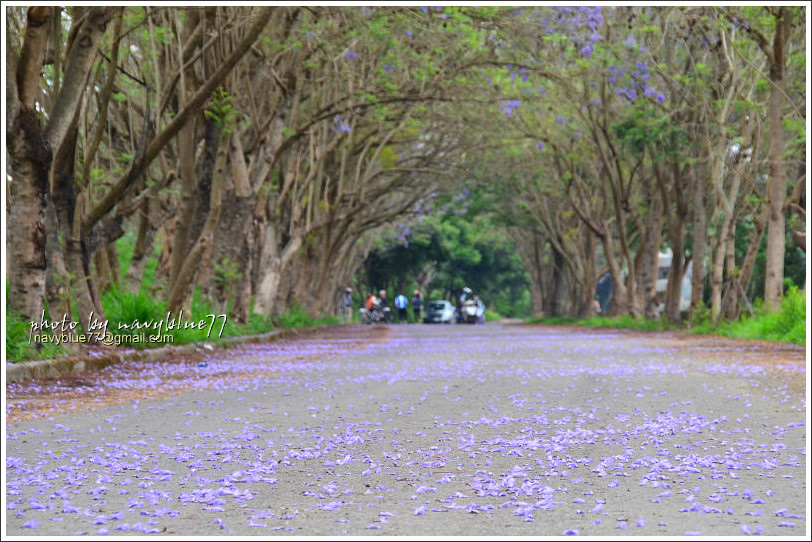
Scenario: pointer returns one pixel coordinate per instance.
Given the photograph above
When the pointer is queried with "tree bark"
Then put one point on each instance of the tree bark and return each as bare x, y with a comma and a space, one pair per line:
30, 157
184, 282
700, 238
777, 186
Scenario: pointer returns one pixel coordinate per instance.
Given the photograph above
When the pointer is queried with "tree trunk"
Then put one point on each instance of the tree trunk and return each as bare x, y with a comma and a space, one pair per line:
30, 158
777, 186
559, 285
729, 285
537, 275
738, 285
646, 286
181, 291
143, 246
620, 298
182, 235
700, 239
673, 289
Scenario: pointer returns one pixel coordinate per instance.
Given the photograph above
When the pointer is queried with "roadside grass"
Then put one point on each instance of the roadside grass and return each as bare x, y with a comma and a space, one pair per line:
786, 325
124, 309
18, 346
296, 317
133, 317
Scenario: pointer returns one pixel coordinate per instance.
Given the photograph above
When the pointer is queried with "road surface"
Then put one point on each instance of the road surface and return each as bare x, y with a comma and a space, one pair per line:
421, 430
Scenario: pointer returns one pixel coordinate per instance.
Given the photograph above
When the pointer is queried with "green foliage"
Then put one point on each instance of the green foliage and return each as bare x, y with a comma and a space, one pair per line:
462, 246
492, 316
123, 308
221, 110
646, 129
19, 348
785, 325
226, 273
296, 317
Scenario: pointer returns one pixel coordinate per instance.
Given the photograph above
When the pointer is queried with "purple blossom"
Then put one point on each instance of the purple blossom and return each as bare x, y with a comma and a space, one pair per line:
352, 54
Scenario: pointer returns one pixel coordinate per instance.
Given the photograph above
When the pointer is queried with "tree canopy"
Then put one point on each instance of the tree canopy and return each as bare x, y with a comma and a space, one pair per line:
270, 156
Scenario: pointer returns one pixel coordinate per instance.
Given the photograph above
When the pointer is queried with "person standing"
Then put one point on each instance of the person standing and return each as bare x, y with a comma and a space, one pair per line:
400, 302
382, 306
348, 304
417, 305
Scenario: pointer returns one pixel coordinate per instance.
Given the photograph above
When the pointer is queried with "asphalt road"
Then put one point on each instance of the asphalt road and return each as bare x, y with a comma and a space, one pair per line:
432, 431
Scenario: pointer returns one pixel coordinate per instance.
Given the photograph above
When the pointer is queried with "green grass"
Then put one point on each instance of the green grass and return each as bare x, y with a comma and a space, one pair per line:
492, 316
123, 308
18, 346
296, 317
618, 322
786, 325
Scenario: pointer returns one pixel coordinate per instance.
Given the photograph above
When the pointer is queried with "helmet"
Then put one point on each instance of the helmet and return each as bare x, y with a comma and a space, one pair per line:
417, 292
348, 290
382, 293
467, 290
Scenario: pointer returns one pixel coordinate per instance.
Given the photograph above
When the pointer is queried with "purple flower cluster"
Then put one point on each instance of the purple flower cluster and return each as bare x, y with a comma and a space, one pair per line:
509, 106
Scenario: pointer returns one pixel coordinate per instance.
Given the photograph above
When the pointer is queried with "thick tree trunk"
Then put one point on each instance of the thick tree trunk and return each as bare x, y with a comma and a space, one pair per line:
738, 285
537, 275
673, 289
101, 261
181, 291
272, 264
560, 284
143, 246
30, 157
648, 259
586, 306
57, 285
776, 191
620, 298
700, 238
182, 234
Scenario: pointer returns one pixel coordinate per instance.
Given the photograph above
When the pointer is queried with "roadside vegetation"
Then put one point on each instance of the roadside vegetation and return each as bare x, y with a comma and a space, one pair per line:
123, 309
786, 325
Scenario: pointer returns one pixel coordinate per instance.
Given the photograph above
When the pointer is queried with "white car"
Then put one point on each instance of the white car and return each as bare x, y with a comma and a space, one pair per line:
440, 312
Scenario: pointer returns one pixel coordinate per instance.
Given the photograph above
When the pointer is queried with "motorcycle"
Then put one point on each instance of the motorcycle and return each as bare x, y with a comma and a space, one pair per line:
472, 311
376, 315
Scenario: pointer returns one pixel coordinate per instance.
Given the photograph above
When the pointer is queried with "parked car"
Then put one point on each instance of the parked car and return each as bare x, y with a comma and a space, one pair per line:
440, 312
